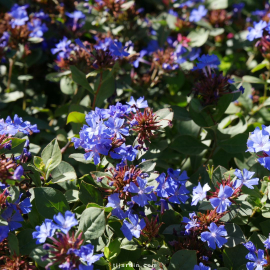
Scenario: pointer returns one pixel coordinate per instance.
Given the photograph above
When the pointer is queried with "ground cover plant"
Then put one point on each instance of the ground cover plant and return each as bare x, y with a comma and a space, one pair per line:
134, 134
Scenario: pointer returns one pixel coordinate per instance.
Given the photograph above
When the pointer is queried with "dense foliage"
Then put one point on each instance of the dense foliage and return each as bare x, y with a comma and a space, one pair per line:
134, 134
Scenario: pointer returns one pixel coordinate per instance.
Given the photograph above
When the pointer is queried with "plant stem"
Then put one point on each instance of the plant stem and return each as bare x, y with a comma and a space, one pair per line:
11, 62
99, 86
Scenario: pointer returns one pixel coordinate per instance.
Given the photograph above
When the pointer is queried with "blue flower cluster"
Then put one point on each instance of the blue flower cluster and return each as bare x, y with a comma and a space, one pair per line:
106, 131
170, 189
64, 223
12, 127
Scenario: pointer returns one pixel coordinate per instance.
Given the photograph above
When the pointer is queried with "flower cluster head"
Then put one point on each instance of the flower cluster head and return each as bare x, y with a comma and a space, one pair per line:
66, 249
19, 15
211, 85
12, 127
107, 129
256, 257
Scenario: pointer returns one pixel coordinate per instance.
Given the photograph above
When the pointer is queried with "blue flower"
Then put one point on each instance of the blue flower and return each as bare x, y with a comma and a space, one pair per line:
245, 179
210, 61
116, 125
143, 197
197, 14
19, 15
191, 221
140, 59
13, 219
37, 28
117, 49
165, 187
238, 7
62, 48
179, 195
190, 3
257, 260
140, 103
47, 229
86, 253
222, 202
103, 44
201, 266
199, 193
65, 223
152, 46
177, 176
267, 242
76, 16
257, 31
258, 140
18, 173
194, 54
4, 40
215, 236
24, 207
134, 228
114, 202
4, 230
250, 246
265, 161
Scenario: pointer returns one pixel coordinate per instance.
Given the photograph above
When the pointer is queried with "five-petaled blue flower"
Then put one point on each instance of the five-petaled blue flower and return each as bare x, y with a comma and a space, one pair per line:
215, 236
86, 253
191, 222
201, 266
256, 31
47, 229
114, 202
259, 140
197, 14
245, 179
222, 201
210, 61
199, 193
65, 223
13, 218
257, 260
134, 228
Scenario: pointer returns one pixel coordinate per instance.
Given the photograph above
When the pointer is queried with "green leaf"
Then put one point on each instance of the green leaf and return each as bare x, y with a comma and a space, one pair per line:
235, 257
183, 259
26, 241
181, 113
67, 85
260, 66
92, 223
80, 158
198, 37
147, 166
13, 244
252, 79
89, 194
39, 164
128, 245
217, 4
37, 255
80, 78
63, 172
72, 195
51, 156
188, 145
114, 249
218, 175
237, 144
76, 117
105, 88
16, 146
50, 201
235, 235
165, 117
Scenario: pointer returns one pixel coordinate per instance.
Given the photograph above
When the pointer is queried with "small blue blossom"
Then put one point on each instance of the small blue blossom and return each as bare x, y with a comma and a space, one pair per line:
76, 16
12, 218
152, 46
258, 141
140, 103
140, 59
165, 187
177, 176
199, 193
215, 236
245, 179
18, 173
47, 229
19, 15
116, 125
117, 49
197, 14
114, 202
257, 261
238, 7
250, 246
179, 195
37, 28
191, 221
4, 40
210, 61
62, 48
134, 228
24, 206
65, 223
86, 253
257, 31
190, 3
143, 197
222, 202
267, 243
